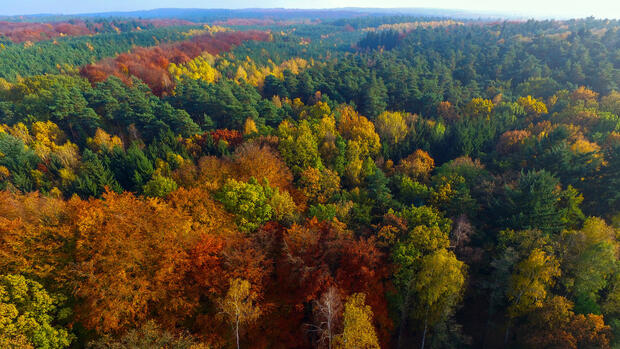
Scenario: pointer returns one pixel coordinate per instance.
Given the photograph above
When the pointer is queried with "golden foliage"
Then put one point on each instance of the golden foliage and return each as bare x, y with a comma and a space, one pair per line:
102, 141
359, 331
199, 68
532, 106
479, 107
584, 94
392, 127
418, 164
252, 159
130, 257
249, 127
34, 234
319, 185
355, 127
529, 285
239, 305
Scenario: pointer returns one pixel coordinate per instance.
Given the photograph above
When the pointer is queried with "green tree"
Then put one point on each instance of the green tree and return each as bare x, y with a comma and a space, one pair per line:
249, 201
374, 97
590, 260
132, 168
159, 186
418, 254
535, 203
254, 203
27, 315
93, 177
298, 146
19, 160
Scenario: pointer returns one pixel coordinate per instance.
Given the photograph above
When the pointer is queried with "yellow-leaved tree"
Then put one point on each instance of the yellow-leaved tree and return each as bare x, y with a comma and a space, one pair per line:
418, 165
199, 68
529, 284
357, 128
532, 106
359, 332
391, 127
249, 127
239, 306
438, 286
479, 107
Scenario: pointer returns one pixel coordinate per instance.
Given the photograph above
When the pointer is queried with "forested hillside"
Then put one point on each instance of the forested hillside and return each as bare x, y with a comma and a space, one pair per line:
354, 182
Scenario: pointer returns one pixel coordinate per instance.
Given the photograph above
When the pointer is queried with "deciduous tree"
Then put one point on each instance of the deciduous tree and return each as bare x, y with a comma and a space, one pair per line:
27, 315
359, 331
239, 306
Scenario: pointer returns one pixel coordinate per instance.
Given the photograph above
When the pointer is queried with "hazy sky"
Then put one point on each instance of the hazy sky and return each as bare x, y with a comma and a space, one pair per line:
547, 8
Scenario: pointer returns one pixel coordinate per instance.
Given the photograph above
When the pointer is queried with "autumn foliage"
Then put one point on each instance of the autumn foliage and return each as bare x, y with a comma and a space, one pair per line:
446, 186
151, 64
20, 32
23, 31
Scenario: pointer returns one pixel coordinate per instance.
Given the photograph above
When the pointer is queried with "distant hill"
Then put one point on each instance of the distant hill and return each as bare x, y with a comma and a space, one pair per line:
207, 15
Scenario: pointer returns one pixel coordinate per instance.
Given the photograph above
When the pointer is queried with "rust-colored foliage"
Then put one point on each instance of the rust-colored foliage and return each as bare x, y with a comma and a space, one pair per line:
207, 215
24, 31
590, 331
447, 111
130, 261
21, 32
126, 258
151, 64
231, 137
556, 326
511, 141
206, 266
308, 260
34, 235
253, 160
219, 254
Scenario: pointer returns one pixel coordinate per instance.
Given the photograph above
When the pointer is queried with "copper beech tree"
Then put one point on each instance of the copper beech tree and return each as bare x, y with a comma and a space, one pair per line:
130, 259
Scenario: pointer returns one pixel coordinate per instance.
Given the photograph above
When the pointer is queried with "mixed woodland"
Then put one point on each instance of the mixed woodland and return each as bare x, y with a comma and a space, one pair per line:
356, 182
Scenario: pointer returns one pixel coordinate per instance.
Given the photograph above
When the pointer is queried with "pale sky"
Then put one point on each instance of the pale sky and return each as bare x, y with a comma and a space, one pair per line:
545, 8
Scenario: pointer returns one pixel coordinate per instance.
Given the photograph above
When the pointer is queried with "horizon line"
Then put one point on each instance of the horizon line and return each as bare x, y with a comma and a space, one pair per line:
475, 14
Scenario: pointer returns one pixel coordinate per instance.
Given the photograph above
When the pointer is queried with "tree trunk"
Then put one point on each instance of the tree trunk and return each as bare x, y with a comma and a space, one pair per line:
237, 332
425, 327
329, 334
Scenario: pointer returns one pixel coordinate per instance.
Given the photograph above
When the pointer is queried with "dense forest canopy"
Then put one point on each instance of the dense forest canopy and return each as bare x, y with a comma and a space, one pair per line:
344, 181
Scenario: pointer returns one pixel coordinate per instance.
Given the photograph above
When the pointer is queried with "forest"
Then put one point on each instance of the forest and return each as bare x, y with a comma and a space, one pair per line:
329, 181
